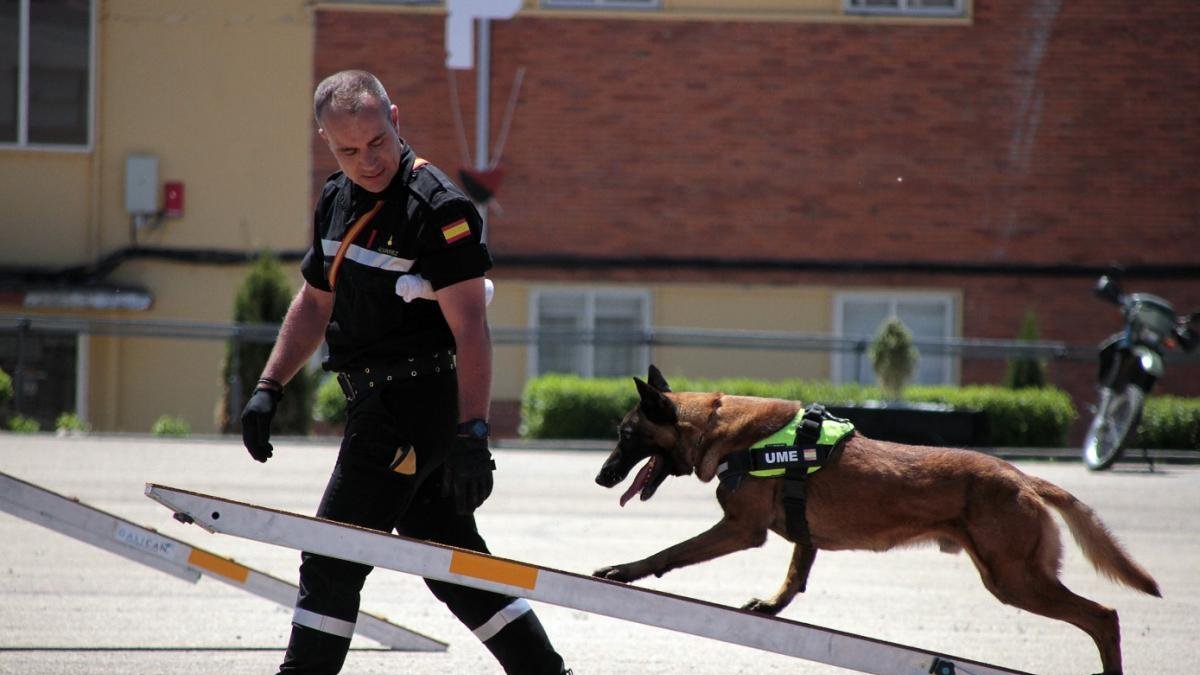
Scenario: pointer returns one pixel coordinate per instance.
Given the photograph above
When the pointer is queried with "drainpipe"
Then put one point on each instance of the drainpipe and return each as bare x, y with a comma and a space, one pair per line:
483, 77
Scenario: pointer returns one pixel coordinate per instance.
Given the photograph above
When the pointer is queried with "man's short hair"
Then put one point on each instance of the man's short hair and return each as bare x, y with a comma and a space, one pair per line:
347, 92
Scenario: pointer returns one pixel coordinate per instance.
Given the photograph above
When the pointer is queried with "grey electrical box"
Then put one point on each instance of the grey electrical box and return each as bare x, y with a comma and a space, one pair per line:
141, 184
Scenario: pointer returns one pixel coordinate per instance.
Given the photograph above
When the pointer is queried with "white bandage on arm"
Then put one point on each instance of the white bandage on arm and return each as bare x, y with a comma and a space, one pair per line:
414, 286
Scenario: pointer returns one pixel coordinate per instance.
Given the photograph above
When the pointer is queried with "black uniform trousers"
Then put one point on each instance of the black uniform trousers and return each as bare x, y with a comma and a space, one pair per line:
418, 414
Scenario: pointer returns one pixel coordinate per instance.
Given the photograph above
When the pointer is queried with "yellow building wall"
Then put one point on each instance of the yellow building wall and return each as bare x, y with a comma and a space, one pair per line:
509, 309
46, 216
752, 308
220, 92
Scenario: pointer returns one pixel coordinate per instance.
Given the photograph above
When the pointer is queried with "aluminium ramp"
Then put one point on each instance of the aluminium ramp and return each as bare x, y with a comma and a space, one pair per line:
173, 556
588, 594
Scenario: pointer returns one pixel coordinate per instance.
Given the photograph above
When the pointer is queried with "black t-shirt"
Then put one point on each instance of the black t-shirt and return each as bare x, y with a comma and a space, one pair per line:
426, 226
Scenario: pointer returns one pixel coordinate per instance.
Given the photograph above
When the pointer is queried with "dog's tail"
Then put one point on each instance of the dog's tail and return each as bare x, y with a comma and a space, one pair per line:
1094, 538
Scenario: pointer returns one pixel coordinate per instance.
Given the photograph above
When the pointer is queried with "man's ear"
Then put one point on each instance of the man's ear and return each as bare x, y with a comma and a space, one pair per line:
394, 117
658, 408
657, 380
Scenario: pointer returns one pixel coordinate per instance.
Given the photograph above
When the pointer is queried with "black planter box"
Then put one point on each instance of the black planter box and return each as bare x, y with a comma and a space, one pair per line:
917, 423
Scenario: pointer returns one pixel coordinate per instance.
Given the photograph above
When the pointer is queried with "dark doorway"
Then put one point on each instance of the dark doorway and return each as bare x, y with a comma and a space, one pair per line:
43, 369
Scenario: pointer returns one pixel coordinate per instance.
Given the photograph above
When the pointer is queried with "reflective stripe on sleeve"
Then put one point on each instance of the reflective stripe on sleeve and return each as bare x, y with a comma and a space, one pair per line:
325, 624
367, 257
499, 620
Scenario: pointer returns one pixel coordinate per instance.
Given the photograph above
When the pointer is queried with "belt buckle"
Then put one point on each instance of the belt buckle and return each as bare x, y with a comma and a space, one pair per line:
347, 386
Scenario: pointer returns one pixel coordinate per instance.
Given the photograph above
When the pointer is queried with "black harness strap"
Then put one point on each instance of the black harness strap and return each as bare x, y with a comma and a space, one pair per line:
794, 506
795, 493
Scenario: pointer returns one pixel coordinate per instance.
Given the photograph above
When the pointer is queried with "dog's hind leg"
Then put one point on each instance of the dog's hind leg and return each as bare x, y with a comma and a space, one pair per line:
795, 582
1021, 569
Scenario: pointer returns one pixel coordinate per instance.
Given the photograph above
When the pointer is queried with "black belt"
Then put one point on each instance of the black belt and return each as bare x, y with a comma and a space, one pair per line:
365, 380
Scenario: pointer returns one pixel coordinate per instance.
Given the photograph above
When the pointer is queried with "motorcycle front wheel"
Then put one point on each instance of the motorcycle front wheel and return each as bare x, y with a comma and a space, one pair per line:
1117, 415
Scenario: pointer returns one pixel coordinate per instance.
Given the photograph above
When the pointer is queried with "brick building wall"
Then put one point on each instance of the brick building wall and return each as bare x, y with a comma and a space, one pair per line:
1043, 140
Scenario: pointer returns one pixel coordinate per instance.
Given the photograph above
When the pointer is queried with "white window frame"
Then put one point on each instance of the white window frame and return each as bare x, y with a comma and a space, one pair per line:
949, 329
588, 353
906, 8
22, 142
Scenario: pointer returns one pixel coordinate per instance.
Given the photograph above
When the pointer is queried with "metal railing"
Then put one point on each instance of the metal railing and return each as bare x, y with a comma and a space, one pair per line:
975, 348
23, 326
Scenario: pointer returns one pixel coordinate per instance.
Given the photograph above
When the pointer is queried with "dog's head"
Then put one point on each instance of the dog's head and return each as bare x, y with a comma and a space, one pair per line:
651, 430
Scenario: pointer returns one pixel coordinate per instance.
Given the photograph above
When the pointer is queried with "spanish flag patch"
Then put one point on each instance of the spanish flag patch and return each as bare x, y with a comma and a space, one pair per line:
455, 231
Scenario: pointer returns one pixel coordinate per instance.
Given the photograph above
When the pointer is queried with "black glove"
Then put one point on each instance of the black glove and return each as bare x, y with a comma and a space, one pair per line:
256, 422
468, 473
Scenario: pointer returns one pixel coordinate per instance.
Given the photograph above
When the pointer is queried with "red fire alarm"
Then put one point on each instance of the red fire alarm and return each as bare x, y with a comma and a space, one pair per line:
173, 199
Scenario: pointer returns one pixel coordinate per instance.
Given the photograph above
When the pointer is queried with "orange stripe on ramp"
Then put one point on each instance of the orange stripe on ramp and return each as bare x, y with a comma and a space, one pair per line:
216, 565
491, 569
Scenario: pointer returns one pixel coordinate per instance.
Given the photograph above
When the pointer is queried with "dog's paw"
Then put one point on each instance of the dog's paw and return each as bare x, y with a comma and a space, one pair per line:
762, 607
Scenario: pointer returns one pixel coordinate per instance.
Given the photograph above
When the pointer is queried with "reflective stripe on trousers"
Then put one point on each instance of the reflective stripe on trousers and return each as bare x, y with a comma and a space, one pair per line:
513, 611
325, 624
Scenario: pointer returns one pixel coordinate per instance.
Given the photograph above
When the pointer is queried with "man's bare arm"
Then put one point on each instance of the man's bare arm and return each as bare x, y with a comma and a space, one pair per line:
302, 332
465, 309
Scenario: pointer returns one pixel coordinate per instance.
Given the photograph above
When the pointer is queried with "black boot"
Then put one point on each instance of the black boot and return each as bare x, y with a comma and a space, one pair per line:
312, 652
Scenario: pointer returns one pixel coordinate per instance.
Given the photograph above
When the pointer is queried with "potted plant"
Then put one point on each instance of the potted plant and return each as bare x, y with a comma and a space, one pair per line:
893, 357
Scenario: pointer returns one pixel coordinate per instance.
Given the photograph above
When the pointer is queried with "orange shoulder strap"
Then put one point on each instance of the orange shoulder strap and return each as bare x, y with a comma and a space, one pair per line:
357, 227
347, 238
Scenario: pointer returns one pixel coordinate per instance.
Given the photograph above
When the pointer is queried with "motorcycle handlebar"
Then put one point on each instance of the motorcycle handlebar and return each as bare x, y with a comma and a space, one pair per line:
1108, 288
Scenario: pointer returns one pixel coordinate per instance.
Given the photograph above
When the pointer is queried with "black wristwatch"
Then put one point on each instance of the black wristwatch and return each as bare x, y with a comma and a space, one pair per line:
476, 428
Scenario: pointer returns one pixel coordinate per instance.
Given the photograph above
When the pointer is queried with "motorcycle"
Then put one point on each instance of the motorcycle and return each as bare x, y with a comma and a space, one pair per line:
1131, 361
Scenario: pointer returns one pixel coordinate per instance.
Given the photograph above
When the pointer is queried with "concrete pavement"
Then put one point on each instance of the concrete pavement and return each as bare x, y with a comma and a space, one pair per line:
66, 607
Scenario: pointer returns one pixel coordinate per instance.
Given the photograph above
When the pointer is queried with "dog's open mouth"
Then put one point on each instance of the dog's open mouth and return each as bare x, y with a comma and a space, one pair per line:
652, 474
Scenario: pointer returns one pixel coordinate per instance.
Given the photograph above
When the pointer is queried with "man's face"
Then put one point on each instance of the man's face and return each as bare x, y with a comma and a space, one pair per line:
366, 144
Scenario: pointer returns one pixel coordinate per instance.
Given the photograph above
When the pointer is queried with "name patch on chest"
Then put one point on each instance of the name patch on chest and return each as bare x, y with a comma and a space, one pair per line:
774, 457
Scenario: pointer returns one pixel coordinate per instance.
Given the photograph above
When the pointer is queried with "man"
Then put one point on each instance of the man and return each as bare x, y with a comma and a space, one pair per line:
417, 376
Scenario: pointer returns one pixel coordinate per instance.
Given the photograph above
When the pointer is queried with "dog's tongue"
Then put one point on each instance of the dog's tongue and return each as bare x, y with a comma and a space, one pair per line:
639, 481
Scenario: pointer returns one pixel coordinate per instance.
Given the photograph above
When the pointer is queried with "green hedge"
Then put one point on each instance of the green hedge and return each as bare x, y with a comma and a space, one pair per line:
1034, 417
171, 425
567, 406
329, 405
1170, 422
6, 388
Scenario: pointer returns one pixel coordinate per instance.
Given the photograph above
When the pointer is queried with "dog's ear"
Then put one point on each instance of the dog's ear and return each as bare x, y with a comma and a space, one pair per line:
657, 380
658, 408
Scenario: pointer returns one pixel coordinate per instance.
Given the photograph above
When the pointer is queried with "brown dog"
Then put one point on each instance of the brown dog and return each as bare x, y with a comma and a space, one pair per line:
873, 495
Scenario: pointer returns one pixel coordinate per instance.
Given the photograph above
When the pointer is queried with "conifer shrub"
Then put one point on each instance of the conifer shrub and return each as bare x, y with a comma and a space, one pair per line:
263, 297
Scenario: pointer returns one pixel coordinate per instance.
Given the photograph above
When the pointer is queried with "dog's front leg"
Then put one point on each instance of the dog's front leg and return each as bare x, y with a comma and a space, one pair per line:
795, 582
725, 537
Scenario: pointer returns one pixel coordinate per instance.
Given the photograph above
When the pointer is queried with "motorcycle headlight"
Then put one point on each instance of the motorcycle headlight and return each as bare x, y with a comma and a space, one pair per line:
1147, 362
